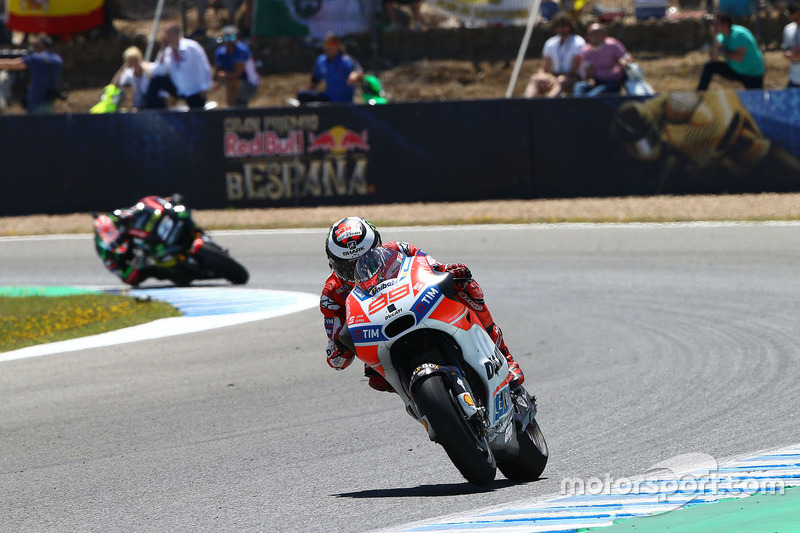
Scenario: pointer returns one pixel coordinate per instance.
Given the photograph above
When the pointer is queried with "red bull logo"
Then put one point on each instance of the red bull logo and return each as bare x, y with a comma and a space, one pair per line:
338, 140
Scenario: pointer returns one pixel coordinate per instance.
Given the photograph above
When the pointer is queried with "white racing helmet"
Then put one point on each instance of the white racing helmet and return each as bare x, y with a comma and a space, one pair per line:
348, 239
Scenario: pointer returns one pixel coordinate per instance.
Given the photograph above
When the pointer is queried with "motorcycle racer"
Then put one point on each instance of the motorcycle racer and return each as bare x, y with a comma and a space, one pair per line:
350, 238
114, 233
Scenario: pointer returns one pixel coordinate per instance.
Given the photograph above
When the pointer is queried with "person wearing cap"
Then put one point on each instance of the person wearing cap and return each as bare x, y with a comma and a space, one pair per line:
235, 68
181, 69
45, 68
791, 45
340, 72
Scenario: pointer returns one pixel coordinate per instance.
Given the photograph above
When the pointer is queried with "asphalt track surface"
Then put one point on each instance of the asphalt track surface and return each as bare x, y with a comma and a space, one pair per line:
641, 342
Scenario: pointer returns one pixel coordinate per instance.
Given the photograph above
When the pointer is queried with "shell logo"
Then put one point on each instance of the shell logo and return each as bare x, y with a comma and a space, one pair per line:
468, 399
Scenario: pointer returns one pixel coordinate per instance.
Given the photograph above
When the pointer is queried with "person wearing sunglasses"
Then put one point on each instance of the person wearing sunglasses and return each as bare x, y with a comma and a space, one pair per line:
235, 69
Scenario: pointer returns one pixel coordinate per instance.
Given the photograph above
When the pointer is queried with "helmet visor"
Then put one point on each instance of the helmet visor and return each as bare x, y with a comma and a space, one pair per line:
344, 268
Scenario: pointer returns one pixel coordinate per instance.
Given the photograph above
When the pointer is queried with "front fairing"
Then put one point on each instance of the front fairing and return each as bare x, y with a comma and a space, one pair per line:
419, 298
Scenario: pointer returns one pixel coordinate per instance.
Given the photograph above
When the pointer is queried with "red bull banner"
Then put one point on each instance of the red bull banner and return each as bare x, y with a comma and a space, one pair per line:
55, 17
285, 157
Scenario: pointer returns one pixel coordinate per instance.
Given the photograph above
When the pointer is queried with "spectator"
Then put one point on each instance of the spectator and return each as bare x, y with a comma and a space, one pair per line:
604, 60
791, 45
743, 60
235, 68
180, 69
561, 59
390, 9
135, 72
45, 74
340, 72
202, 5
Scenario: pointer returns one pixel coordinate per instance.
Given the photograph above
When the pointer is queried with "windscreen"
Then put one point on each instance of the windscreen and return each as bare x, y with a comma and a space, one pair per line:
376, 266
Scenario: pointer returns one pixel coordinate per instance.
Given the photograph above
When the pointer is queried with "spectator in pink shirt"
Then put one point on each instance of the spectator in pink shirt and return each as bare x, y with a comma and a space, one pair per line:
603, 60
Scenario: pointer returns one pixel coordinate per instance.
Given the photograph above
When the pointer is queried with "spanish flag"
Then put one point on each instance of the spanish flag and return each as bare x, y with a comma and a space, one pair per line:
55, 17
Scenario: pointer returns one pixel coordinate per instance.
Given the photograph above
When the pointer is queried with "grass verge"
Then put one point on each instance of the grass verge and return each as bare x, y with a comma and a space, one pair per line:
41, 319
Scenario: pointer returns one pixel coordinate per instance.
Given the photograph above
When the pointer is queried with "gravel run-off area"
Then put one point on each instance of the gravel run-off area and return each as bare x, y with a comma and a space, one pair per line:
741, 207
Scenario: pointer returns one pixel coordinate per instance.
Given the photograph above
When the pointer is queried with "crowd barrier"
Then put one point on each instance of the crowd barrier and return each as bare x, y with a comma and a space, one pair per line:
678, 143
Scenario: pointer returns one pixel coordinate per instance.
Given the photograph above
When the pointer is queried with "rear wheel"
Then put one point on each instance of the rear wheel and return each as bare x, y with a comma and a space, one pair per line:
532, 458
468, 452
215, 258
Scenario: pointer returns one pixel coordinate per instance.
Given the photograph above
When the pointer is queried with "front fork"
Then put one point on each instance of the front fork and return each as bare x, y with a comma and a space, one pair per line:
475, 414
524, 407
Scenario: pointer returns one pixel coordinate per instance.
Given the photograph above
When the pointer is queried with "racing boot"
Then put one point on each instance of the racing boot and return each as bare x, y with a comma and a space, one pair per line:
517, 377
376, 380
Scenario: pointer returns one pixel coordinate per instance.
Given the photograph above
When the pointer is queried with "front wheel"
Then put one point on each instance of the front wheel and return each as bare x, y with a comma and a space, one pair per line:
468, 452
532, 457
215, 258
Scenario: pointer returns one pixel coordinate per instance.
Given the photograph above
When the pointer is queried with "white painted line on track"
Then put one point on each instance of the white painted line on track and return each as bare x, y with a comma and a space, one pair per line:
203, 308
768, 472
536, 225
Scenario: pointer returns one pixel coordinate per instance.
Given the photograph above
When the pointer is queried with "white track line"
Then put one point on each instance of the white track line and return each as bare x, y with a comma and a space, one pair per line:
288, 302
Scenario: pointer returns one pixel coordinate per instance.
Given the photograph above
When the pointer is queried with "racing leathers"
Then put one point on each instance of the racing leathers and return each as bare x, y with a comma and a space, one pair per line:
114, 240
118, 254
336, 290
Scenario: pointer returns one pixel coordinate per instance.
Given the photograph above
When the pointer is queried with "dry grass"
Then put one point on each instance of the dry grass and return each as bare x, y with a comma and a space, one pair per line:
768, 206
436, 80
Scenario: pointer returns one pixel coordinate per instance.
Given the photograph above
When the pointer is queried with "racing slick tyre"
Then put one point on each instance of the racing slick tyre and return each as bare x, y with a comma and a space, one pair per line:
532, 458
468, 452
218, 260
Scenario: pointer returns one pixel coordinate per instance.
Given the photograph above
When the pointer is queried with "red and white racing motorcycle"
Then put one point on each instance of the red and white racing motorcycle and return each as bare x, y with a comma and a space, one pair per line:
404, 321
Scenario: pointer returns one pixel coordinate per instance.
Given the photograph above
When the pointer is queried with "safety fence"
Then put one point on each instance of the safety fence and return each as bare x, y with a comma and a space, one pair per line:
720, 141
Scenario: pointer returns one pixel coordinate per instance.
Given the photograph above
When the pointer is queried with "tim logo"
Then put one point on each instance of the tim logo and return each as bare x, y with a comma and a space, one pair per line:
366, 334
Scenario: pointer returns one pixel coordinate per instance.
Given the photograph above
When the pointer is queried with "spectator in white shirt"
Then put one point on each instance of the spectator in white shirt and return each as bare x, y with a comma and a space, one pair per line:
181, 69
561, 59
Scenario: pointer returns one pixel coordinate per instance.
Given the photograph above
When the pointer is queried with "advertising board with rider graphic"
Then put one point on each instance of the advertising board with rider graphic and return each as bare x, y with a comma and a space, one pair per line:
691, 139
675, 143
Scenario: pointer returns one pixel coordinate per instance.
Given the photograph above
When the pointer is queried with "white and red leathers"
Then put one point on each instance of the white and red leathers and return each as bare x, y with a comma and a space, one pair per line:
336, 290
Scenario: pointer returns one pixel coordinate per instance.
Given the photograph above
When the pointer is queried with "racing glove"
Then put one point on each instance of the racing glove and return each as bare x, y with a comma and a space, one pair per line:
339, 357
458, 270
